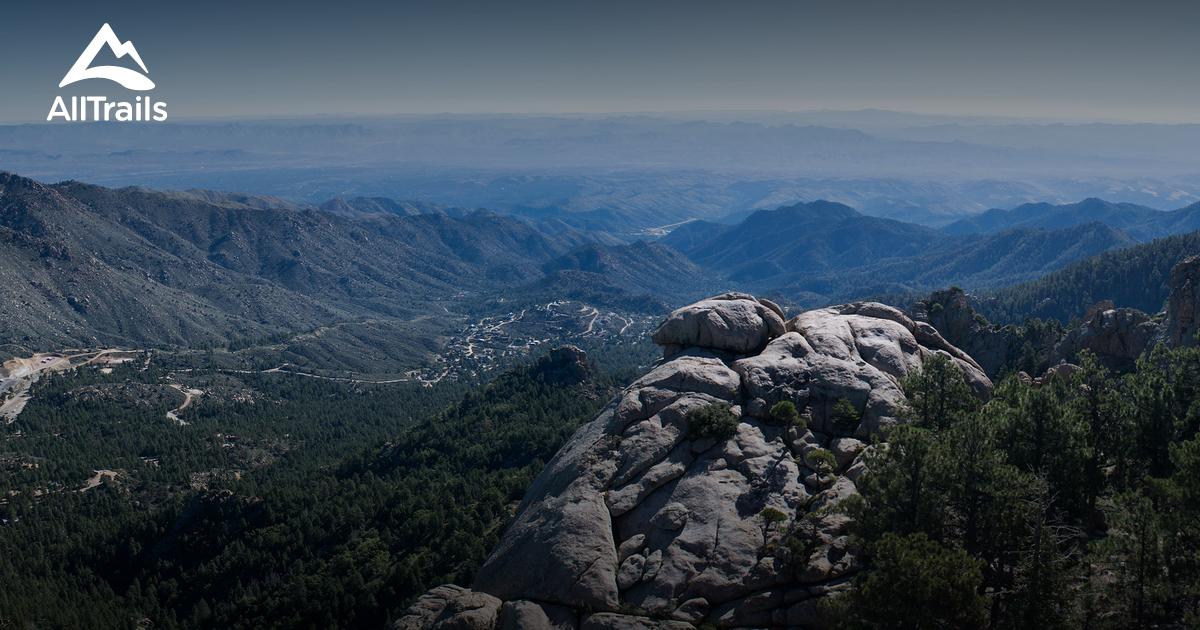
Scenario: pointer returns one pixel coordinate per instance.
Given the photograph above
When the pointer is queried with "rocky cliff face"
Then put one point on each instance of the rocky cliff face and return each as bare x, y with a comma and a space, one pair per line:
1117, 336
951, 314
1180, 326
635, 514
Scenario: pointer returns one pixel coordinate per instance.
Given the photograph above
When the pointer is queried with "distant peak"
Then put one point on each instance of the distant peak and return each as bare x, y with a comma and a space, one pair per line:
822, 207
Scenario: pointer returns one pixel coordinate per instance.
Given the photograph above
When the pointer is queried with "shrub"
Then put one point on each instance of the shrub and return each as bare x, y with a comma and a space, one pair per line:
770, 516
916, 578
845, 416
712, 421
784, 414
823, 459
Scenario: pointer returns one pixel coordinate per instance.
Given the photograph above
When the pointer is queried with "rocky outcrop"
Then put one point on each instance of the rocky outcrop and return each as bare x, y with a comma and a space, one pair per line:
1117, 336
1181, 324
950, 313
636, 512
527, 615
451, 607
734, 322
1063, 371
857, 352
568, 365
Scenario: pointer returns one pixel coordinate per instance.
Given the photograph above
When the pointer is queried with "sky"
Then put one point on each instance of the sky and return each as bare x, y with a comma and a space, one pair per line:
1070, 61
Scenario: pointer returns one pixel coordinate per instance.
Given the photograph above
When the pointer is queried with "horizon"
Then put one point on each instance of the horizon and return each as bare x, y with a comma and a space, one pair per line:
1067, 61
714, 116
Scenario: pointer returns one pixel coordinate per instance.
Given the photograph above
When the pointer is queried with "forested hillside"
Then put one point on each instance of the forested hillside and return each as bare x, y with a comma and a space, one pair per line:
809, 238
1047, 216
281, 507
822, 253
1136, 277
84, 264
1072, 504
1138, 221
642, 269
995, 260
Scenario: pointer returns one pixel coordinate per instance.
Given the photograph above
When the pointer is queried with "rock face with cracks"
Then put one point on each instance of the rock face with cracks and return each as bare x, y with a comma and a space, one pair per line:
1117, 336
1182, 322
633, 513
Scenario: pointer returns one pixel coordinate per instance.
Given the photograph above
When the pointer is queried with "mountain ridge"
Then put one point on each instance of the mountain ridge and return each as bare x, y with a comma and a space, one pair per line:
1138, 221
113, 266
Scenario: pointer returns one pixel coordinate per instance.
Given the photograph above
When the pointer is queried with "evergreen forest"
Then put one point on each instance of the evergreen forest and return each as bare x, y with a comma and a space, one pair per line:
297, 503
1069, 505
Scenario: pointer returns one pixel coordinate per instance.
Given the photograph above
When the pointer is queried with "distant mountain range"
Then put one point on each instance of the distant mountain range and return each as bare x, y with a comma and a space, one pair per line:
1138, 221
642, 267
630, 176
86, 265
366, 208
978, 264
821, 252
813, 237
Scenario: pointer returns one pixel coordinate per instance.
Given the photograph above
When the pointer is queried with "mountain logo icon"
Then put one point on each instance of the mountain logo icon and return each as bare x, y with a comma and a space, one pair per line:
130, 79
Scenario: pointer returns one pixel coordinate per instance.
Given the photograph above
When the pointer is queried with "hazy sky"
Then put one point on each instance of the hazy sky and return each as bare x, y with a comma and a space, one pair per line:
1068, 60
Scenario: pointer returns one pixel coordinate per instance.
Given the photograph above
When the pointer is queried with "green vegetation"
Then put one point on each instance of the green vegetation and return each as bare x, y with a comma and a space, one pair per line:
784, 414
1136, 277
937, 395
823, 459
988, 262
299, 515
771, 518
1069, 505
712, 421
845, 416
918, 584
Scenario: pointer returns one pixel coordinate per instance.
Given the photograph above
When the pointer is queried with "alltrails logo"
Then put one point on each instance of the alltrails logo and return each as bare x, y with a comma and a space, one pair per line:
102, 109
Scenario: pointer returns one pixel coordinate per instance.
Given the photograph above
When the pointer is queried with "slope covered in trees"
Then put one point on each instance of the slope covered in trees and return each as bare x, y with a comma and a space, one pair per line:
641, 268
83, 264
1136, 277
808, 237
992, 261
1070, 505
823, 253
281, 527
1047, 216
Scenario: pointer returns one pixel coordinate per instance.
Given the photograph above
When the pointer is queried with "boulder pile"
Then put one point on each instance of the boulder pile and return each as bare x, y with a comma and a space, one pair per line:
640, 521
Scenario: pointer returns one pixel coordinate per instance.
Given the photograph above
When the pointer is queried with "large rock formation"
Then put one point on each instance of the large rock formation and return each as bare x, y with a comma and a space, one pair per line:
951, 314
734, 322
856, 352
1117, 336
1181, 324
637, 513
